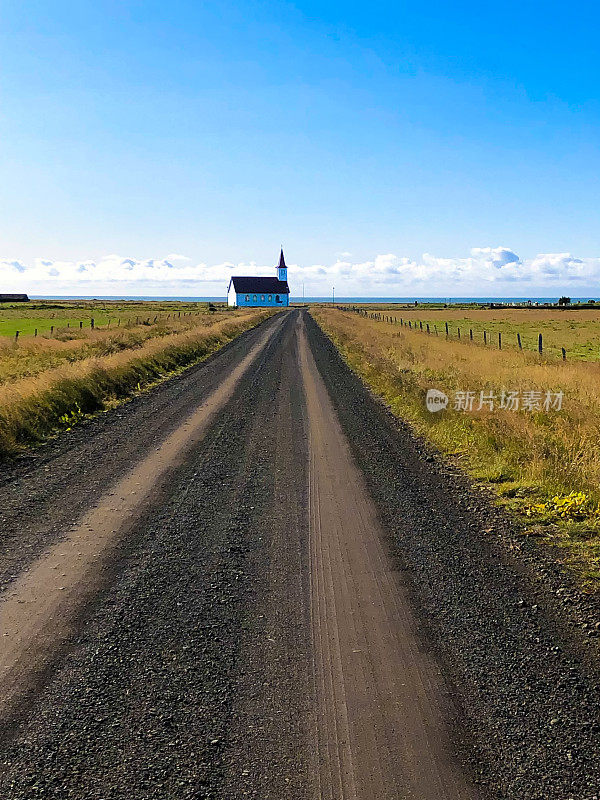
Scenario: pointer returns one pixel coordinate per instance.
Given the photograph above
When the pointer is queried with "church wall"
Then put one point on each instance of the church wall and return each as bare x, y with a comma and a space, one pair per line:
262, 300
231, 296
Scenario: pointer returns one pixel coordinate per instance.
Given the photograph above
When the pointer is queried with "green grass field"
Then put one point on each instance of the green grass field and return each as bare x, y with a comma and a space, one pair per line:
44, 316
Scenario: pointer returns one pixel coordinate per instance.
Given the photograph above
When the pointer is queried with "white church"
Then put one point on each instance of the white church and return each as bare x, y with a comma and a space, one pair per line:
267, 291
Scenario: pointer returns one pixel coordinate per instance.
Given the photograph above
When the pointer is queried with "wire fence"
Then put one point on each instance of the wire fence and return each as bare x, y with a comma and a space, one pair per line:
431, 329
128, 322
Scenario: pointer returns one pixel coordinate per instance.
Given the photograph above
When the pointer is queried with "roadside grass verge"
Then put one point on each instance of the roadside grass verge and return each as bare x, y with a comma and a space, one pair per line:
543, 466
32, 408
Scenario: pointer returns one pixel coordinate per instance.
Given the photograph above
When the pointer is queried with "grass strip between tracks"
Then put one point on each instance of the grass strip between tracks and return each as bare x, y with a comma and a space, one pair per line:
32, 408
544, 467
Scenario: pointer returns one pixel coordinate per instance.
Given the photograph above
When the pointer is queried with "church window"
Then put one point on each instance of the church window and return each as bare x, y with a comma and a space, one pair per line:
247, 298
270, 297
254, 297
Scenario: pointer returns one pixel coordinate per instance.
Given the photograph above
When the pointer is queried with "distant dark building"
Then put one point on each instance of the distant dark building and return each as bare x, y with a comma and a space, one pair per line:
14, 298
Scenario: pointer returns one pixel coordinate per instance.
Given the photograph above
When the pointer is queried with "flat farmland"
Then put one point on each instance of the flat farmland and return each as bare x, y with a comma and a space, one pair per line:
575, 330
51, 317
66, 333
71, 369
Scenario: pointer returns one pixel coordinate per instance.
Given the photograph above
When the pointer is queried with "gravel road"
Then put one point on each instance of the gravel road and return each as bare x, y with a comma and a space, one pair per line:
251, 582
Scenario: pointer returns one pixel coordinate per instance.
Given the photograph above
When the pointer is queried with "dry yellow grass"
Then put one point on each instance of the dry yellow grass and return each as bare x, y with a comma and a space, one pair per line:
32, 355
31, 407
527, 456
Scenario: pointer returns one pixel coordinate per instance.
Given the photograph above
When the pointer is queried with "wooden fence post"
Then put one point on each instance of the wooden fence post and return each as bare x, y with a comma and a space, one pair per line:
35, 332
564, 353
519, 341
92, 323
51, 330
485, 337
446, 329
471, 334
499, 340
17, 336
540, 344
428, 328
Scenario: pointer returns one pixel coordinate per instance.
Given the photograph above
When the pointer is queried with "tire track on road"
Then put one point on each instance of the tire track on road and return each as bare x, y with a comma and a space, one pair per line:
380, 726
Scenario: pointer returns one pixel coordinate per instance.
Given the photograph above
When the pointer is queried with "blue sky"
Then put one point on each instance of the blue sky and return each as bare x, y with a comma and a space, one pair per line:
392, 147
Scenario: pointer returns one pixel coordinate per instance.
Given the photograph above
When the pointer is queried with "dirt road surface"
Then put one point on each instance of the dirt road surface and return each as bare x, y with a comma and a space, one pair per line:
252, 583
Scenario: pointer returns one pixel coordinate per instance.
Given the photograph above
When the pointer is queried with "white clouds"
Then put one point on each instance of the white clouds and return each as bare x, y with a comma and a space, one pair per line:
114, 274
563, 267
486, 271
497, 257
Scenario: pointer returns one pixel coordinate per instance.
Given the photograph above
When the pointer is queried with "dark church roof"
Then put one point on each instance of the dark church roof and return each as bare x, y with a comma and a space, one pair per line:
243, 285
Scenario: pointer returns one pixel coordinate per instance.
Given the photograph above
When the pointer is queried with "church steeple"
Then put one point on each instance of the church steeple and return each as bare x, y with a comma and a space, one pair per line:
282, 269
